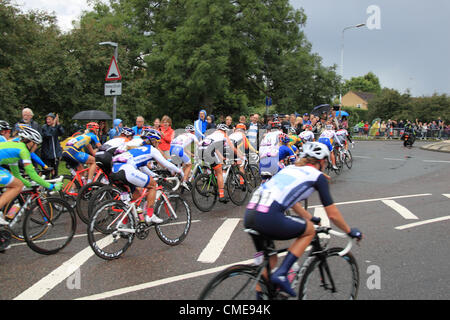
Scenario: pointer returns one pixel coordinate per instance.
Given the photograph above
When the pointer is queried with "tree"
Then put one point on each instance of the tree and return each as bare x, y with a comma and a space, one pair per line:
366, 83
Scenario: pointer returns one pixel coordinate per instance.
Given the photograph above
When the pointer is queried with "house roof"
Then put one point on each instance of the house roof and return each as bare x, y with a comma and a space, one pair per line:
367, 96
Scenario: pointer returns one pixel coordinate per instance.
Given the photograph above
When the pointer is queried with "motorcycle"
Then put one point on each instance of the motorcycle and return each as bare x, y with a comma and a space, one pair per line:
408, 139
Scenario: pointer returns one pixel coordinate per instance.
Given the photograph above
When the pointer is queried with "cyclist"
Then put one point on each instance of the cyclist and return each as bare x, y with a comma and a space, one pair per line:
265, 211
269, 149
73, 152
10, 154
212, 151
180, 148
241, 146
5, 131
105, 153
343, 135
132, 168
307, 135
286, 155
327, 137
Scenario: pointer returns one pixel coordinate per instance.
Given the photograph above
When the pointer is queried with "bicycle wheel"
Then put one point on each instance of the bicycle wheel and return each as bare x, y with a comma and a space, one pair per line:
234, 283
204, 192
58, 219
252, 176
83, 198
348, 160
331, 277
106, 192
110, 243
339, 163
174, 229
237, 187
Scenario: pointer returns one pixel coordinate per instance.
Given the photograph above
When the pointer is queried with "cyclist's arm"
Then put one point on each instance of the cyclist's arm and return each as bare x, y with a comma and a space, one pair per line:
157, 156
29, 169
38, 160
147, 171
90, 150
16, 173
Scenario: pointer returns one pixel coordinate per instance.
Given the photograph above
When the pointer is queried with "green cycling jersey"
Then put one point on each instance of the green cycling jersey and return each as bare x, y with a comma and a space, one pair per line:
10, 154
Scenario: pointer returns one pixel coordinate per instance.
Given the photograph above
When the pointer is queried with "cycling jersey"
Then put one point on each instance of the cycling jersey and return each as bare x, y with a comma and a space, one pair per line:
179, 143
328, 137
72, 152
265, 211
208, 146
10, 154
270, 144
133, 164
240, 143
341, 135
294, 139
104, 156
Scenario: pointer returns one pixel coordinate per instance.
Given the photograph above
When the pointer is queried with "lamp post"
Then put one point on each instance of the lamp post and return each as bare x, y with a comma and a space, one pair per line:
116, 54
342, 57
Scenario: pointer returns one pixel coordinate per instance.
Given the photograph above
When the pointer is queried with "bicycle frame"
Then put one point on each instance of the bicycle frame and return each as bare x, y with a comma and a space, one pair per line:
78, 177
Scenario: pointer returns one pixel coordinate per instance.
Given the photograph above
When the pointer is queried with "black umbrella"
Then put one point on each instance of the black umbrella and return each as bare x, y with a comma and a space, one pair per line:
92, 115
317, 111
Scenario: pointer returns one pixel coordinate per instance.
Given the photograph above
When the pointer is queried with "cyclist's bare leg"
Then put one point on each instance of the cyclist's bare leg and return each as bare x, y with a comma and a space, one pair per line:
151, 196
13, 189
219, 176
187, 170
92, 168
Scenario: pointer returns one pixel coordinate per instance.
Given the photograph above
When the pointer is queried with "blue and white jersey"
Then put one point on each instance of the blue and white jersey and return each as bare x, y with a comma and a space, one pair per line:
289, 186
141, 156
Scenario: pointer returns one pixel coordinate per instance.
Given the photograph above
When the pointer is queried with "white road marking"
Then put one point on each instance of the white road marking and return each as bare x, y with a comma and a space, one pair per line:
439, 161
363, 157
415, 224
43, 286
446, 194
404, 212
215, 246
393, 159
377, 199
324, 221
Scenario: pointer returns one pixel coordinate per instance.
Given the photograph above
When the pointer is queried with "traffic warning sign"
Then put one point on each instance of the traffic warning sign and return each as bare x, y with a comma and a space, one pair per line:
113, 71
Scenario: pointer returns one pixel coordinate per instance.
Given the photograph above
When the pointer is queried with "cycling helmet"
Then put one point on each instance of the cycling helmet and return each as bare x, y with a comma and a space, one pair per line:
276, 124
315, 150
127, 132
222, 127
92, 126
4, 125
151, 134
31, 134
284, 138
329, 127
308, 126
241, 126
189, 128
292, 130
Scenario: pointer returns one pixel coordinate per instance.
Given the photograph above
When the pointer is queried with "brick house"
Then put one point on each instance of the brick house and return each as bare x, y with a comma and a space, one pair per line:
357, 99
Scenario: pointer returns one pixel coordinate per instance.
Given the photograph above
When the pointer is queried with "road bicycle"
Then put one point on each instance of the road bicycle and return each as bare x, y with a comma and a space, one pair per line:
75, 181
46, 223
325, 274
205, 190
252, 174
345, 156
115, 223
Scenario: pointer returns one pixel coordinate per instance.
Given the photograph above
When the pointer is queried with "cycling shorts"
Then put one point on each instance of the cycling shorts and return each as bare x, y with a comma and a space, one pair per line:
6, 177
326, 142
270, 165
132, 175
274, 224
75, 155
104, 161
178, 151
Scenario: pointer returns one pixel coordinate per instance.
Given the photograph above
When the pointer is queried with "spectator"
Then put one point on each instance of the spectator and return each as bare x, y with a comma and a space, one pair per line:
306, 120
27, 118
210, 120
366, 128
383, 128
253, 128
103, 131
344, 123
139, 125
229, 122
361, 128
243, 119
51, 150
116, 129
200, 125
423, 131
298, 125
167, 134
157, 124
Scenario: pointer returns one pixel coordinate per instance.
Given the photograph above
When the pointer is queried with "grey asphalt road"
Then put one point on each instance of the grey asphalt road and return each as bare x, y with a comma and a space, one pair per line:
399, 198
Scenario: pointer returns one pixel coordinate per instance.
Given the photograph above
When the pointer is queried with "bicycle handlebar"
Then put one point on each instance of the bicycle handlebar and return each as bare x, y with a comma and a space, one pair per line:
171, 179
328, 230
56, 180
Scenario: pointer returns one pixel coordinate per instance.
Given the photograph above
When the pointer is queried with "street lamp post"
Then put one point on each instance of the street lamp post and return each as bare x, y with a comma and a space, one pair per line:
342, 57
116, 54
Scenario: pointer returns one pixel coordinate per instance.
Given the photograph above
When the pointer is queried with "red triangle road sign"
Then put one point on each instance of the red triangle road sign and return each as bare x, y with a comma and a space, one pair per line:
113, 71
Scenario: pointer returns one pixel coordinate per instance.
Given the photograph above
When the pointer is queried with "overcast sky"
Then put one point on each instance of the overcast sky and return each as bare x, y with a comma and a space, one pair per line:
408, 46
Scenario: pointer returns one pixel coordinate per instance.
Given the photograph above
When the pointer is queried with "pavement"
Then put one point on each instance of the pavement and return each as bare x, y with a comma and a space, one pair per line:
440, 146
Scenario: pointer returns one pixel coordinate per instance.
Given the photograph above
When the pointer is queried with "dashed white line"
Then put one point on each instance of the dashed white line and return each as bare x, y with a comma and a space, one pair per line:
404, 212
215, 246
415, 224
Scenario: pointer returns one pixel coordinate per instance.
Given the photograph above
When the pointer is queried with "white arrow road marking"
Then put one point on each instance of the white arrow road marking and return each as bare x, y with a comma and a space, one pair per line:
415, 224
446, 194
404, 212
215, 246
43, 286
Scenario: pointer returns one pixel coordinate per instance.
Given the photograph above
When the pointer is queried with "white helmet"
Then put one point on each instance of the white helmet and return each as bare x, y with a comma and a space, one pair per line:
315, 150
31, 134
